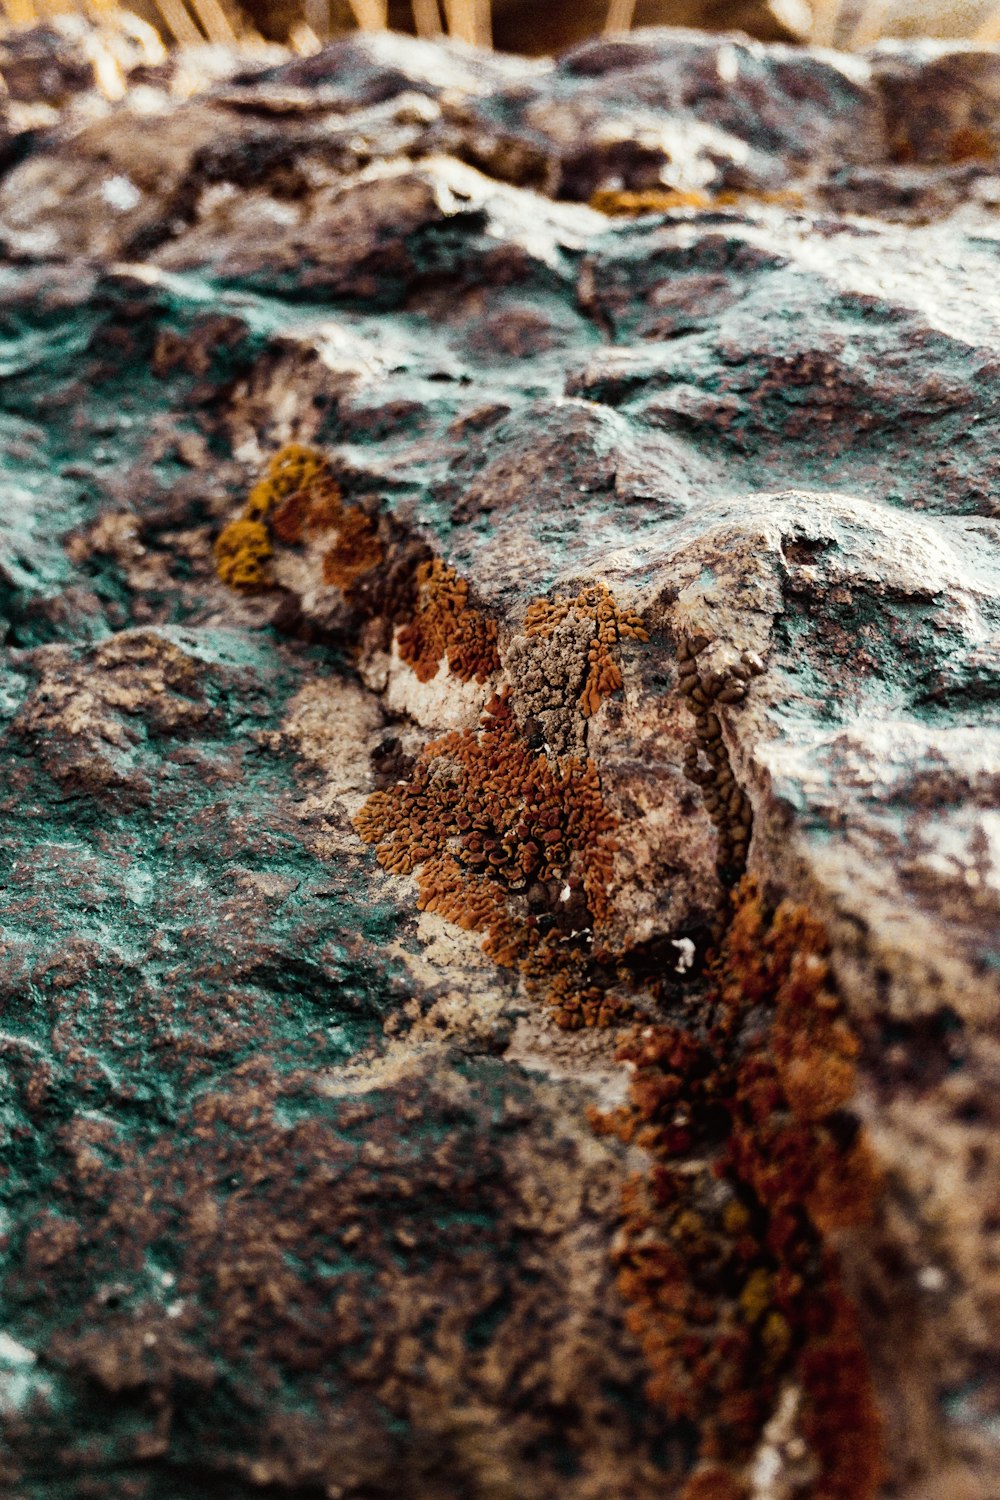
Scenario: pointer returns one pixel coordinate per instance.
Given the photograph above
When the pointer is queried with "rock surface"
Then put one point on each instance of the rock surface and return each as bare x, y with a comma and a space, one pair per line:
300, 1186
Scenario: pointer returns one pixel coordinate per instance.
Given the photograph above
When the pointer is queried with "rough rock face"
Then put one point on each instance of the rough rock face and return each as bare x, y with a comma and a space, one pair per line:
425, 596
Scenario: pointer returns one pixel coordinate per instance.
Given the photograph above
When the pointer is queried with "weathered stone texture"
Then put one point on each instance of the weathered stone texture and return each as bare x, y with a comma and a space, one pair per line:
299, 1187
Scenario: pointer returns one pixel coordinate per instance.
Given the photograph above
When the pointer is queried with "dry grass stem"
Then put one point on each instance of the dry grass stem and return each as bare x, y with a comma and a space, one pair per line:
371, 15
870, 25
989, 32
826, 15
214, 21
303, 40
190, 23
470, 21
315, 20
620, 13
426, 18
179, 23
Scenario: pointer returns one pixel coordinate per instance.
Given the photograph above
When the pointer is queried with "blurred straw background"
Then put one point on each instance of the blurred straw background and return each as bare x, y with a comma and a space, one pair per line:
529, 26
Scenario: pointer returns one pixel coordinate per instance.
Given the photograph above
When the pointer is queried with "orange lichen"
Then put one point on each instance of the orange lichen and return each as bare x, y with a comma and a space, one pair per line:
730, 1285
492, 826
595, 605
620, 202
241, 552
316, 508
293, 468
298, 498
625, 203
445, 625
713, 1483
500, 808
242, 548
356, 550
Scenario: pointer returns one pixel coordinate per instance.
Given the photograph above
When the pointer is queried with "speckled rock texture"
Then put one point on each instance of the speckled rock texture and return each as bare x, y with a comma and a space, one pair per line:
680, 513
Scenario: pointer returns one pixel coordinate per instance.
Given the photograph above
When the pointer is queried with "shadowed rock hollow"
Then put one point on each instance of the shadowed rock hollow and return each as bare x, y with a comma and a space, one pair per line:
500, 713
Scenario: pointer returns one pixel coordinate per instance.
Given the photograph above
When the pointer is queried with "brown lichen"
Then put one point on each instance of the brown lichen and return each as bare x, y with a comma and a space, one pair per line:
731, 1285
971, 143
310, 511
289, 516
356, 550
713, 1483
502, 835
707, 762
595, 605
445, 625
789, 1142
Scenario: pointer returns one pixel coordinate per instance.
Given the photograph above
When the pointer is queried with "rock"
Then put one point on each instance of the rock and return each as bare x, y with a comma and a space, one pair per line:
502, 1000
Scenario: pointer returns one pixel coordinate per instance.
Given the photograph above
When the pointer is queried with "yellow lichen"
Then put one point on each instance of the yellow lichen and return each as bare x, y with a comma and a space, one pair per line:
293, 468
618, 202
298, 497
241, 552
626, 203
244, 546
